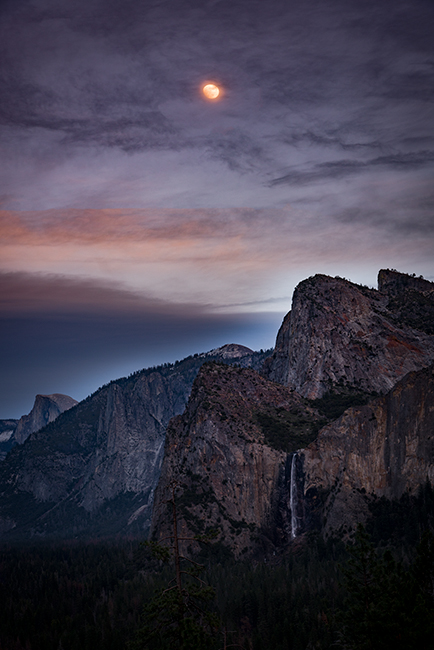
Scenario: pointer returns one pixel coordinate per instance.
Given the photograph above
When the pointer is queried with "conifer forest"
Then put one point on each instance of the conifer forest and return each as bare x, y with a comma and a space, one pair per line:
371, 588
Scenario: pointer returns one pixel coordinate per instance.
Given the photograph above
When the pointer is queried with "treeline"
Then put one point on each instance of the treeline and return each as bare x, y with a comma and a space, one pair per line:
376, 592
84, 597
90, 597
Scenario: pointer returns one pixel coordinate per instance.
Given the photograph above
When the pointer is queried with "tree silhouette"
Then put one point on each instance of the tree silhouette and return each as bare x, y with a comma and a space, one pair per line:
179, 616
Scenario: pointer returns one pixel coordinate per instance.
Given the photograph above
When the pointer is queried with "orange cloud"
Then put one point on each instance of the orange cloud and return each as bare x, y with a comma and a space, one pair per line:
199, 256
97, 226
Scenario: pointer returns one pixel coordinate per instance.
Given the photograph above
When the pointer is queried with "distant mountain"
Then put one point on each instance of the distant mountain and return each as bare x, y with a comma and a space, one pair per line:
93, 471
45, 409
262, 446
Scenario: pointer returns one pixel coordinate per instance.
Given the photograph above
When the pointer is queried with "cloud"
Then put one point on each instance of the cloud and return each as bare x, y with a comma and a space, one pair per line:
116, 69
25, 293
63, 335
198, 253
101, 104
346, 167
32, 106
131, 203
94, 227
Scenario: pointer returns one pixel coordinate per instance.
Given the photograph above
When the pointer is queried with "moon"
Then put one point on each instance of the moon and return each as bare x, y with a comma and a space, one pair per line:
211, 91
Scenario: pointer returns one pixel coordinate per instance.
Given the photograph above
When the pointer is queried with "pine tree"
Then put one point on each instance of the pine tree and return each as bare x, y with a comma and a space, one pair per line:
179, 616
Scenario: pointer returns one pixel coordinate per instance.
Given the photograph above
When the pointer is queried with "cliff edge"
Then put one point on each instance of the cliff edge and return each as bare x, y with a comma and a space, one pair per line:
342, 335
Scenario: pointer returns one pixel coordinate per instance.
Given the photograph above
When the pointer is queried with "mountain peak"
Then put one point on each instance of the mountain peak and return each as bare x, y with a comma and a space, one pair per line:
45, 409
230, 351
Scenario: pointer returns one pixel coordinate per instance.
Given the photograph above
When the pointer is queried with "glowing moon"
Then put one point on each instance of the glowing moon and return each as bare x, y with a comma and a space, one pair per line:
211, 91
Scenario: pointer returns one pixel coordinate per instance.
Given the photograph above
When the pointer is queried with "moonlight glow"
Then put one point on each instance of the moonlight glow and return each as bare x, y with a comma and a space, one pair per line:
211, 91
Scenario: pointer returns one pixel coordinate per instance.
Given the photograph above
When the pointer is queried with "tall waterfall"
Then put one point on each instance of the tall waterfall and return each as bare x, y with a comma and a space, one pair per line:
293, 495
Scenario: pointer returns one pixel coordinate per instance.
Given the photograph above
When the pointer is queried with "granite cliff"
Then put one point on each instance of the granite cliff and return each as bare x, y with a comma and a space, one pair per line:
93, 470
339, 415
227, 457
382, 449
253, 461
339, 335
7, 439
45, 409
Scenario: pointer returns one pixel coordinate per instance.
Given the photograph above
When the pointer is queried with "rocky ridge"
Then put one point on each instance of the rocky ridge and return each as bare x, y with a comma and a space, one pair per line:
7, 438
45, 410
263, 457
247, 460
340, 334
94, 469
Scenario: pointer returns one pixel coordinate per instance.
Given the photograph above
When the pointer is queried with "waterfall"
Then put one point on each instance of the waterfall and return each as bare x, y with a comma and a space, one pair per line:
293, 497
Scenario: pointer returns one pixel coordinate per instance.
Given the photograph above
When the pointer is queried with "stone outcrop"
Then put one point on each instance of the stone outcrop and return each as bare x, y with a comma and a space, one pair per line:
220, 457
93, 470
393, 283
339, 339
379, 450
339, 334
229, 475
260, 457
410, 299
45, 409
7, 438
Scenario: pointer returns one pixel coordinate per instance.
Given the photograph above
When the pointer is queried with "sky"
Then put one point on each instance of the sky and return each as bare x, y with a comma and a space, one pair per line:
141, 222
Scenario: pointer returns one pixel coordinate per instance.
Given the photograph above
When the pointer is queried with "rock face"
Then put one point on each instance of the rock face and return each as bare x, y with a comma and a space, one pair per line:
219, 454
341, 334
262, 457
93, 470
254, 482
7, 438
393, 283
228, 474
411, 299
45, 409
381, 449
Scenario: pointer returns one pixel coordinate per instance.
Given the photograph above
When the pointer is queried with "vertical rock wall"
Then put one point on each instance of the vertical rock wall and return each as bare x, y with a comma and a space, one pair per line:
382, 449
341, 334
227, 477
